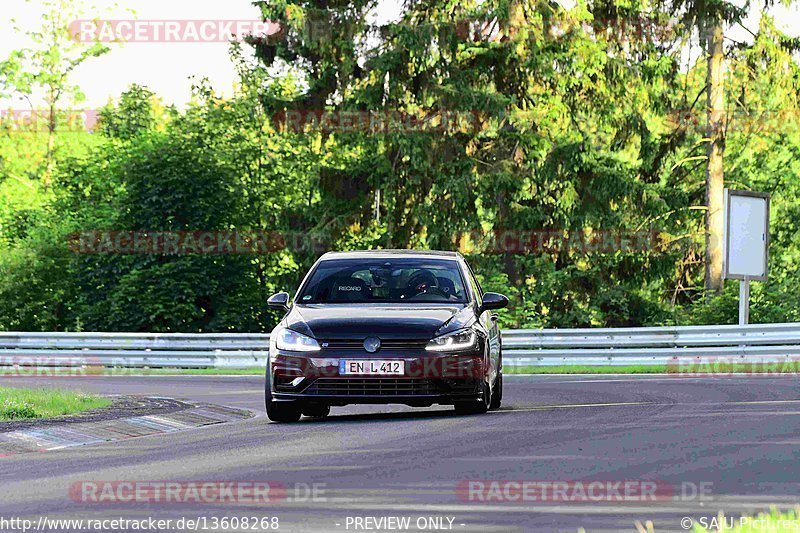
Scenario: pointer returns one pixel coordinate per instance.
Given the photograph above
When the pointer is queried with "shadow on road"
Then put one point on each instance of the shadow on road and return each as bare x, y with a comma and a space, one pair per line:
404, 415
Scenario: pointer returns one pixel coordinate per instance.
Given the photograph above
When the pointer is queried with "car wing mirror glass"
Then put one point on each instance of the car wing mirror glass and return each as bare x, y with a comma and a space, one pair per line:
493, 300
279, 301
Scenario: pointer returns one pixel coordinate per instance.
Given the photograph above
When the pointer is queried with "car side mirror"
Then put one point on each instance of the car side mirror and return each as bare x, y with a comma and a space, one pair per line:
279, 301
492, 300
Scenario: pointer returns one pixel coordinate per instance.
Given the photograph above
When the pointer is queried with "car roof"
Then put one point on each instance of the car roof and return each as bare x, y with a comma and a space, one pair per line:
381, 254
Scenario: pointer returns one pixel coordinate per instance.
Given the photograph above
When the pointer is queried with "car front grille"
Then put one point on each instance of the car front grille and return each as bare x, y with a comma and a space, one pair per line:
371, 387
356, 344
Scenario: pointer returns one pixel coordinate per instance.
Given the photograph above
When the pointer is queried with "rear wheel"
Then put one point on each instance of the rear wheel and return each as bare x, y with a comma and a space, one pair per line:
279, 411
497, 392
475, 407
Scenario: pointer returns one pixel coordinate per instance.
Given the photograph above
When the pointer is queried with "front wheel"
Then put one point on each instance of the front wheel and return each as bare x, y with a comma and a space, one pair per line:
316, 411
279, 411
475, 407
283, 411
497, 392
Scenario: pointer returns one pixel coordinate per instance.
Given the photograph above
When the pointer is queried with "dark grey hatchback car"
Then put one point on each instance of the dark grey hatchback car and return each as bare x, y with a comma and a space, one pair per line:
386, 326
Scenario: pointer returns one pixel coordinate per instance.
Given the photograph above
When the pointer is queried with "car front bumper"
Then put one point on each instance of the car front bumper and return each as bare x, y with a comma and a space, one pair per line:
429, 378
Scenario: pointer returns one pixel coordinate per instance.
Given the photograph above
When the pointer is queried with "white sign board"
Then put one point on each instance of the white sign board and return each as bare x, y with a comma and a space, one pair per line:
746, 242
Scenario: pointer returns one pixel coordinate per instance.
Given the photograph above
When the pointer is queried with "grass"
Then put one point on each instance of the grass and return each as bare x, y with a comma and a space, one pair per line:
22, 404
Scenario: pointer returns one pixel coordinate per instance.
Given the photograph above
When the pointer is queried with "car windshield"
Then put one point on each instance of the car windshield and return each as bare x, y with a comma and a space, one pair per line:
398, 280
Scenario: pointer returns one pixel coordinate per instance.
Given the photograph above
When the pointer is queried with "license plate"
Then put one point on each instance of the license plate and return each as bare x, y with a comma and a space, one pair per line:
371, 367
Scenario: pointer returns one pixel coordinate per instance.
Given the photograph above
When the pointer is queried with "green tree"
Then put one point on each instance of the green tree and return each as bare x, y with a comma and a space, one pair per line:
556, 144
710, 18
45, 68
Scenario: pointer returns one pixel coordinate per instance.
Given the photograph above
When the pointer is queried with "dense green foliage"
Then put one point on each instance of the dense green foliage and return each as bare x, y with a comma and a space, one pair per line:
571, 122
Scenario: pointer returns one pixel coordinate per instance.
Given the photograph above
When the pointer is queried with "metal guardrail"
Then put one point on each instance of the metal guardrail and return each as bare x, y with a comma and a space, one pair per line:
134, 350
758, 343
618, 346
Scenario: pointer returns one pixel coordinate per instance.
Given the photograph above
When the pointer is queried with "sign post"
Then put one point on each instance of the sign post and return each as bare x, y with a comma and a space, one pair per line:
746, 243
744, 302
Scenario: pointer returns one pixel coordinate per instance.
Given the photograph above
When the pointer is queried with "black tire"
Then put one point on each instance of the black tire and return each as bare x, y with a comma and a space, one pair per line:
316, 411
279, 411
283, 412
497, 393
475, 407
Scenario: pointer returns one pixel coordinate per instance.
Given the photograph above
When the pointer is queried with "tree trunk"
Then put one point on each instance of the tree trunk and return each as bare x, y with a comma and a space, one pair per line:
51, 142
715, 131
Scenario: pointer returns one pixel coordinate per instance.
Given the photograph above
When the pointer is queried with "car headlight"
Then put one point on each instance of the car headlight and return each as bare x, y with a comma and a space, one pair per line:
450, 342
289, 340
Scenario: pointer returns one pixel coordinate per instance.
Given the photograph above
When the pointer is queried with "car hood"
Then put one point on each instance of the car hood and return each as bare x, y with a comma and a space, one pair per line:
401, 322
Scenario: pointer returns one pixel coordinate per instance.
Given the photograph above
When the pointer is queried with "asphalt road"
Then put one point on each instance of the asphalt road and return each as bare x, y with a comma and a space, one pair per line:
735, 440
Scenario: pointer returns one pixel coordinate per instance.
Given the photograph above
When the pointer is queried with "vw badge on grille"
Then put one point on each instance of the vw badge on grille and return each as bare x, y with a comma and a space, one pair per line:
372, 344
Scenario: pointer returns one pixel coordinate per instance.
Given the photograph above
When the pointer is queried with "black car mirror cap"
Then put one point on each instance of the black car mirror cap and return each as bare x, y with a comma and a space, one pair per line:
279, 301
493, 300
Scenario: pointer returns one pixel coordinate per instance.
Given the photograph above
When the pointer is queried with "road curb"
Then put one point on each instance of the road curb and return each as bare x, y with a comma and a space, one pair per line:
68, 436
